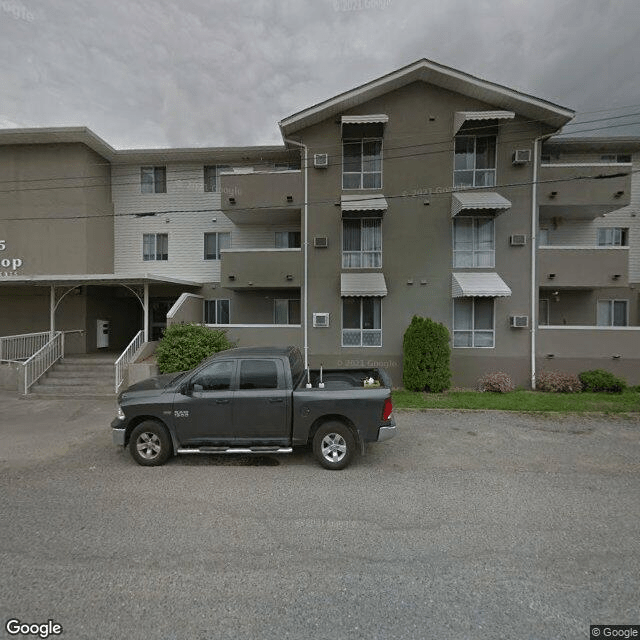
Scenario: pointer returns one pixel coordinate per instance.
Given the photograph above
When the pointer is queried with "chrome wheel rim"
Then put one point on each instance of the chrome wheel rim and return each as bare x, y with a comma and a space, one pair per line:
148, 445
333, 447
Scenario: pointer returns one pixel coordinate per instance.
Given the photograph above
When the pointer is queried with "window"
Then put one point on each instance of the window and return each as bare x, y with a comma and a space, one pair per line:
473, 242
475, 161
543, 236
214, 243
362, 164
216, 377
613, 313
216, 311
153, 179
258, 374
473, 322
543, 311
155, 246
286, 311
211, 175
362, 243
361, 325
287, 239
613, 157
545, 158
612, 237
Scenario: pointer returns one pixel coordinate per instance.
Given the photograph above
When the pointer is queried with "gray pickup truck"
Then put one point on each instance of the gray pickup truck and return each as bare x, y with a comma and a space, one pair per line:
258, 400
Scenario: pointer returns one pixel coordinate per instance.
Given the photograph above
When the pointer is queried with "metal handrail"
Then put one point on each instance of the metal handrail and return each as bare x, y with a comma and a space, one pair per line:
20, 347
127, 357
42, 360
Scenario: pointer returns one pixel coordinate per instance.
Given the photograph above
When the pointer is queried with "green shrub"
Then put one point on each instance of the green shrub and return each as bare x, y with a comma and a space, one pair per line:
601, 380
183, 346
426, 356
497, 382
556, 382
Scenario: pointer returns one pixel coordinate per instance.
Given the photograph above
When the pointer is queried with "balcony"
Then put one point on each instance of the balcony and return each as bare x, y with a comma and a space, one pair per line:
261, 268
583, 267
264, 197
582, 191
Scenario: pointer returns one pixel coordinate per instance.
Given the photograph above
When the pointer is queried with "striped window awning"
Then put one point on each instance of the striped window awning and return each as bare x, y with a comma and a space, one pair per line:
376, 118
362, 285
478, 285
363, 203
478, 202
461, 117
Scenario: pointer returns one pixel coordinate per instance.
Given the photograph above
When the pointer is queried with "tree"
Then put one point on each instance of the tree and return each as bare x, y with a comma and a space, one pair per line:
426, 356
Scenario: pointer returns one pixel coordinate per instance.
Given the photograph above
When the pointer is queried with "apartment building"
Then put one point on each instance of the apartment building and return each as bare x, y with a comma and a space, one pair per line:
427, 191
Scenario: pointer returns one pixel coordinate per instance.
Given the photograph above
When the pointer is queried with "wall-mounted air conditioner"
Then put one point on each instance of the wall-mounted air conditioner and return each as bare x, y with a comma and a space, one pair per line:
519, 321
320, 242
518, 240
320, 319
521, 156
321, 160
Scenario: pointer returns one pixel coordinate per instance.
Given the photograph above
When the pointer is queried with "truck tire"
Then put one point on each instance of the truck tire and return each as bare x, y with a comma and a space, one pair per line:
150, 444
334, 445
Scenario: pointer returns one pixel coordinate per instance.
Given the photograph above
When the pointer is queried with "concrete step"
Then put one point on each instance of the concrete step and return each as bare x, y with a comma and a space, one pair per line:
56, 380
73, 390
85, 366
59, 372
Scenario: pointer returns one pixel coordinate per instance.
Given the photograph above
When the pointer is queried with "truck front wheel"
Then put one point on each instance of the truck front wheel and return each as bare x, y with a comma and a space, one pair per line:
334, 445
150, 444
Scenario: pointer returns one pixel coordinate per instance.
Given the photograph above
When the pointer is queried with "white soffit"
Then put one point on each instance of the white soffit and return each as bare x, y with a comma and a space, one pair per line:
376, 118
478, 285
461, 117
363, 203
362, 285
489, 201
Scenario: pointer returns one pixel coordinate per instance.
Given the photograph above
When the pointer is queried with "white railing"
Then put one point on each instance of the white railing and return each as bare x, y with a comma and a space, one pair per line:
42, 360
20, 347
127, 357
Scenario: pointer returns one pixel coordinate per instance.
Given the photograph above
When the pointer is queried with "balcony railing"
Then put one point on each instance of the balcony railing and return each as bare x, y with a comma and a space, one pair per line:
261, 268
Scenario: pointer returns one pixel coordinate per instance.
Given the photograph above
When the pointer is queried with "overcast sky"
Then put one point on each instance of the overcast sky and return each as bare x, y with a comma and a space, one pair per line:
157, 73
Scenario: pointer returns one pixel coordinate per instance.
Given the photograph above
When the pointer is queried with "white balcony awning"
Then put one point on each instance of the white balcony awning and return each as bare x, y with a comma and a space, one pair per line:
461, 117
376, 118
489, 203
363, 203
478, 285
362, 285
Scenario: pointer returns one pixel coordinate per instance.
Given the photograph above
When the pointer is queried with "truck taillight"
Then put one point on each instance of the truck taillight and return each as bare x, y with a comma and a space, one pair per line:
387, 409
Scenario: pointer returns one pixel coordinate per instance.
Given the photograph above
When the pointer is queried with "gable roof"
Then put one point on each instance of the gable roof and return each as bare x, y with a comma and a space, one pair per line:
441, 76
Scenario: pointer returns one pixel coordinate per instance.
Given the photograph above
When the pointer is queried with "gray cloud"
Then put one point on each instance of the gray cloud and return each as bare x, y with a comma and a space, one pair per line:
161, 73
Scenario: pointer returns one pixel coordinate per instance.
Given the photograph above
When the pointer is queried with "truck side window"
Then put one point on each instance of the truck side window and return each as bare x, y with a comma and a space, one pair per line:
258, 374
216, 377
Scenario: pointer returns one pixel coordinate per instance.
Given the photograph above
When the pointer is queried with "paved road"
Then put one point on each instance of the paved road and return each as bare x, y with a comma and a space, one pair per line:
467, 525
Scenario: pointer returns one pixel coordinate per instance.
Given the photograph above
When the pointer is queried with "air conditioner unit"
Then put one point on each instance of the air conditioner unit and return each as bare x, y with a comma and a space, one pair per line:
519, 321
521, 156
320, 160
518, 240
320, 319
320, 242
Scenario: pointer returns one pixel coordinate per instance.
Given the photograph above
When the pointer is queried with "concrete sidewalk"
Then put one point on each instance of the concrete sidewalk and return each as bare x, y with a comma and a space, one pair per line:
39, 429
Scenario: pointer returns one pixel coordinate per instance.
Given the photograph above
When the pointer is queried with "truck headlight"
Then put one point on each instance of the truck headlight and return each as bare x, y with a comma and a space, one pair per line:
120, 413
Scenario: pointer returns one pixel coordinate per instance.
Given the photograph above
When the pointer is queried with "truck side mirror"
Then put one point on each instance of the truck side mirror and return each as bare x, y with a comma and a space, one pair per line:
197, 387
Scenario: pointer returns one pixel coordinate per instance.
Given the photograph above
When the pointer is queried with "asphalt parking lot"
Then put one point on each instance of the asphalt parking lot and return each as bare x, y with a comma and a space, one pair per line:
466, 525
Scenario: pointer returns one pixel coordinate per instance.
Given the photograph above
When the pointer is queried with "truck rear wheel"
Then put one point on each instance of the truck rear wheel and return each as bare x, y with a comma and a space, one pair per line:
334, 445
150, 444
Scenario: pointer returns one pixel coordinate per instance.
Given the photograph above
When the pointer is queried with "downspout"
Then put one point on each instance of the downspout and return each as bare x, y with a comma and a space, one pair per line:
305, 320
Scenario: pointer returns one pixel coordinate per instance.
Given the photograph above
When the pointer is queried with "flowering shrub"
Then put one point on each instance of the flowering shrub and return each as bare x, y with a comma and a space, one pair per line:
498, 382
556, 382
601, 380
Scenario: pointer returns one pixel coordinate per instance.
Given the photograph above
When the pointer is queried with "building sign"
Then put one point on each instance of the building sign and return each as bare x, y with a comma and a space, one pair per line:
8, 265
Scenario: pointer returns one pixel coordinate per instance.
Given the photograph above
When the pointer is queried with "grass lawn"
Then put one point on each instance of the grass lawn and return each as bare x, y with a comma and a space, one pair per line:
628, 401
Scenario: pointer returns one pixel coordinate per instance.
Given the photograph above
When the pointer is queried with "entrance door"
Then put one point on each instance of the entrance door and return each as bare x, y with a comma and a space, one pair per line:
158, 310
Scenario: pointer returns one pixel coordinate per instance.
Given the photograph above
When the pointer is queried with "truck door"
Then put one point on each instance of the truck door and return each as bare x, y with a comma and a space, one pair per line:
205, 415
262, 403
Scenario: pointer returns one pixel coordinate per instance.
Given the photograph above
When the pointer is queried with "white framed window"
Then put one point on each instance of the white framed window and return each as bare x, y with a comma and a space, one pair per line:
474, 161
216, 311
361, 322
473, 324
612, 237
211, 177
153, 179
287, 239
362, 243
214, 243
286, 311
362, 163
616, 157
613, 313
473, 242
155, 246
